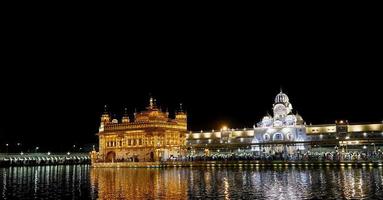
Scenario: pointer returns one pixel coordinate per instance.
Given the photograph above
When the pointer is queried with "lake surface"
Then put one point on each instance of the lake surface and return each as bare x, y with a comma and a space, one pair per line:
83, 182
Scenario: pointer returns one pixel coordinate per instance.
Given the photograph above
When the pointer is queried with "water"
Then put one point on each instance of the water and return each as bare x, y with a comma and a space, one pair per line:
83, 182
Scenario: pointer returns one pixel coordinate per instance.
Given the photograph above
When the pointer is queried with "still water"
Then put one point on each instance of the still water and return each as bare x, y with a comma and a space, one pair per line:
83, 182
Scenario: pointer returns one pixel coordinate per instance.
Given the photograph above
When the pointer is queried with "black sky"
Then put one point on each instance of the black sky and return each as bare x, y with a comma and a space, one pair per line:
56, 79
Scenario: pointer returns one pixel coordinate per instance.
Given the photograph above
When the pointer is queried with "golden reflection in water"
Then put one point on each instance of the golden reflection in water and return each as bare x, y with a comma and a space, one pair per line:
352, 182
226, 191
126, 183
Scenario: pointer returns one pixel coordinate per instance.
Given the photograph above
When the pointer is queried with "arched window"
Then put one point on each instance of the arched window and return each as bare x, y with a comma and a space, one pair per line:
278, 136
266, 137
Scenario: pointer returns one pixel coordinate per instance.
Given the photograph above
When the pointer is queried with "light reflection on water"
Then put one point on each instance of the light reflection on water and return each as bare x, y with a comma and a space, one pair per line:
82, 182
140, 183
44, 182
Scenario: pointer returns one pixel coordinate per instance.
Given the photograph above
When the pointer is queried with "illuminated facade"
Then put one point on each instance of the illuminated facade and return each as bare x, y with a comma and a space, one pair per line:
151, 136
285, 133
282, 127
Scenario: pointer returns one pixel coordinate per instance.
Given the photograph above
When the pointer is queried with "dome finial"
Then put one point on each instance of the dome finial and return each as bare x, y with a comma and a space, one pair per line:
125, 111
151, 103
280, 89
105, 109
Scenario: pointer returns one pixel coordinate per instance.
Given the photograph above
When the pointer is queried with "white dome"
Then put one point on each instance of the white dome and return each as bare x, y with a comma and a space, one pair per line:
278, 123
281, 98
267, 120
290, 119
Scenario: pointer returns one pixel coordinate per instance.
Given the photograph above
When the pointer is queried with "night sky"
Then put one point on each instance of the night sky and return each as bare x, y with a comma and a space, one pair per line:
58, 81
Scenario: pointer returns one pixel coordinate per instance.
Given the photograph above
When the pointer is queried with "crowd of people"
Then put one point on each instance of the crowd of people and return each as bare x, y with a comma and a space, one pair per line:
306, 156
329, 156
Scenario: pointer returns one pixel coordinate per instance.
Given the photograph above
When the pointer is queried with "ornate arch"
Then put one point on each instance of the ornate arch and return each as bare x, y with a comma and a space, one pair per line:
110, 156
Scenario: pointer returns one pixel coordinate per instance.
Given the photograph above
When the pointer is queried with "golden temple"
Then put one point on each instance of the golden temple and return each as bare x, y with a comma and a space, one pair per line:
151, 136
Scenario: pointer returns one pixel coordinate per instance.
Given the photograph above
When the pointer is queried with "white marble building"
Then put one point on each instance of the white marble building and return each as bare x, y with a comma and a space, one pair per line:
283, 127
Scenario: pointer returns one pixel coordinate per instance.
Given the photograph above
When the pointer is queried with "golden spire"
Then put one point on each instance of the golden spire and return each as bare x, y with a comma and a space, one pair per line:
105, 109
125, 118
151, 103
125, 111
167, 112
181, 109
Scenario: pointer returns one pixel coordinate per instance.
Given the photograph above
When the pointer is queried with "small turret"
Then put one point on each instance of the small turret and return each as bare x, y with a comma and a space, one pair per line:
181, 116
125, 118
135, 114
152, 104
105, 117
167, 112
